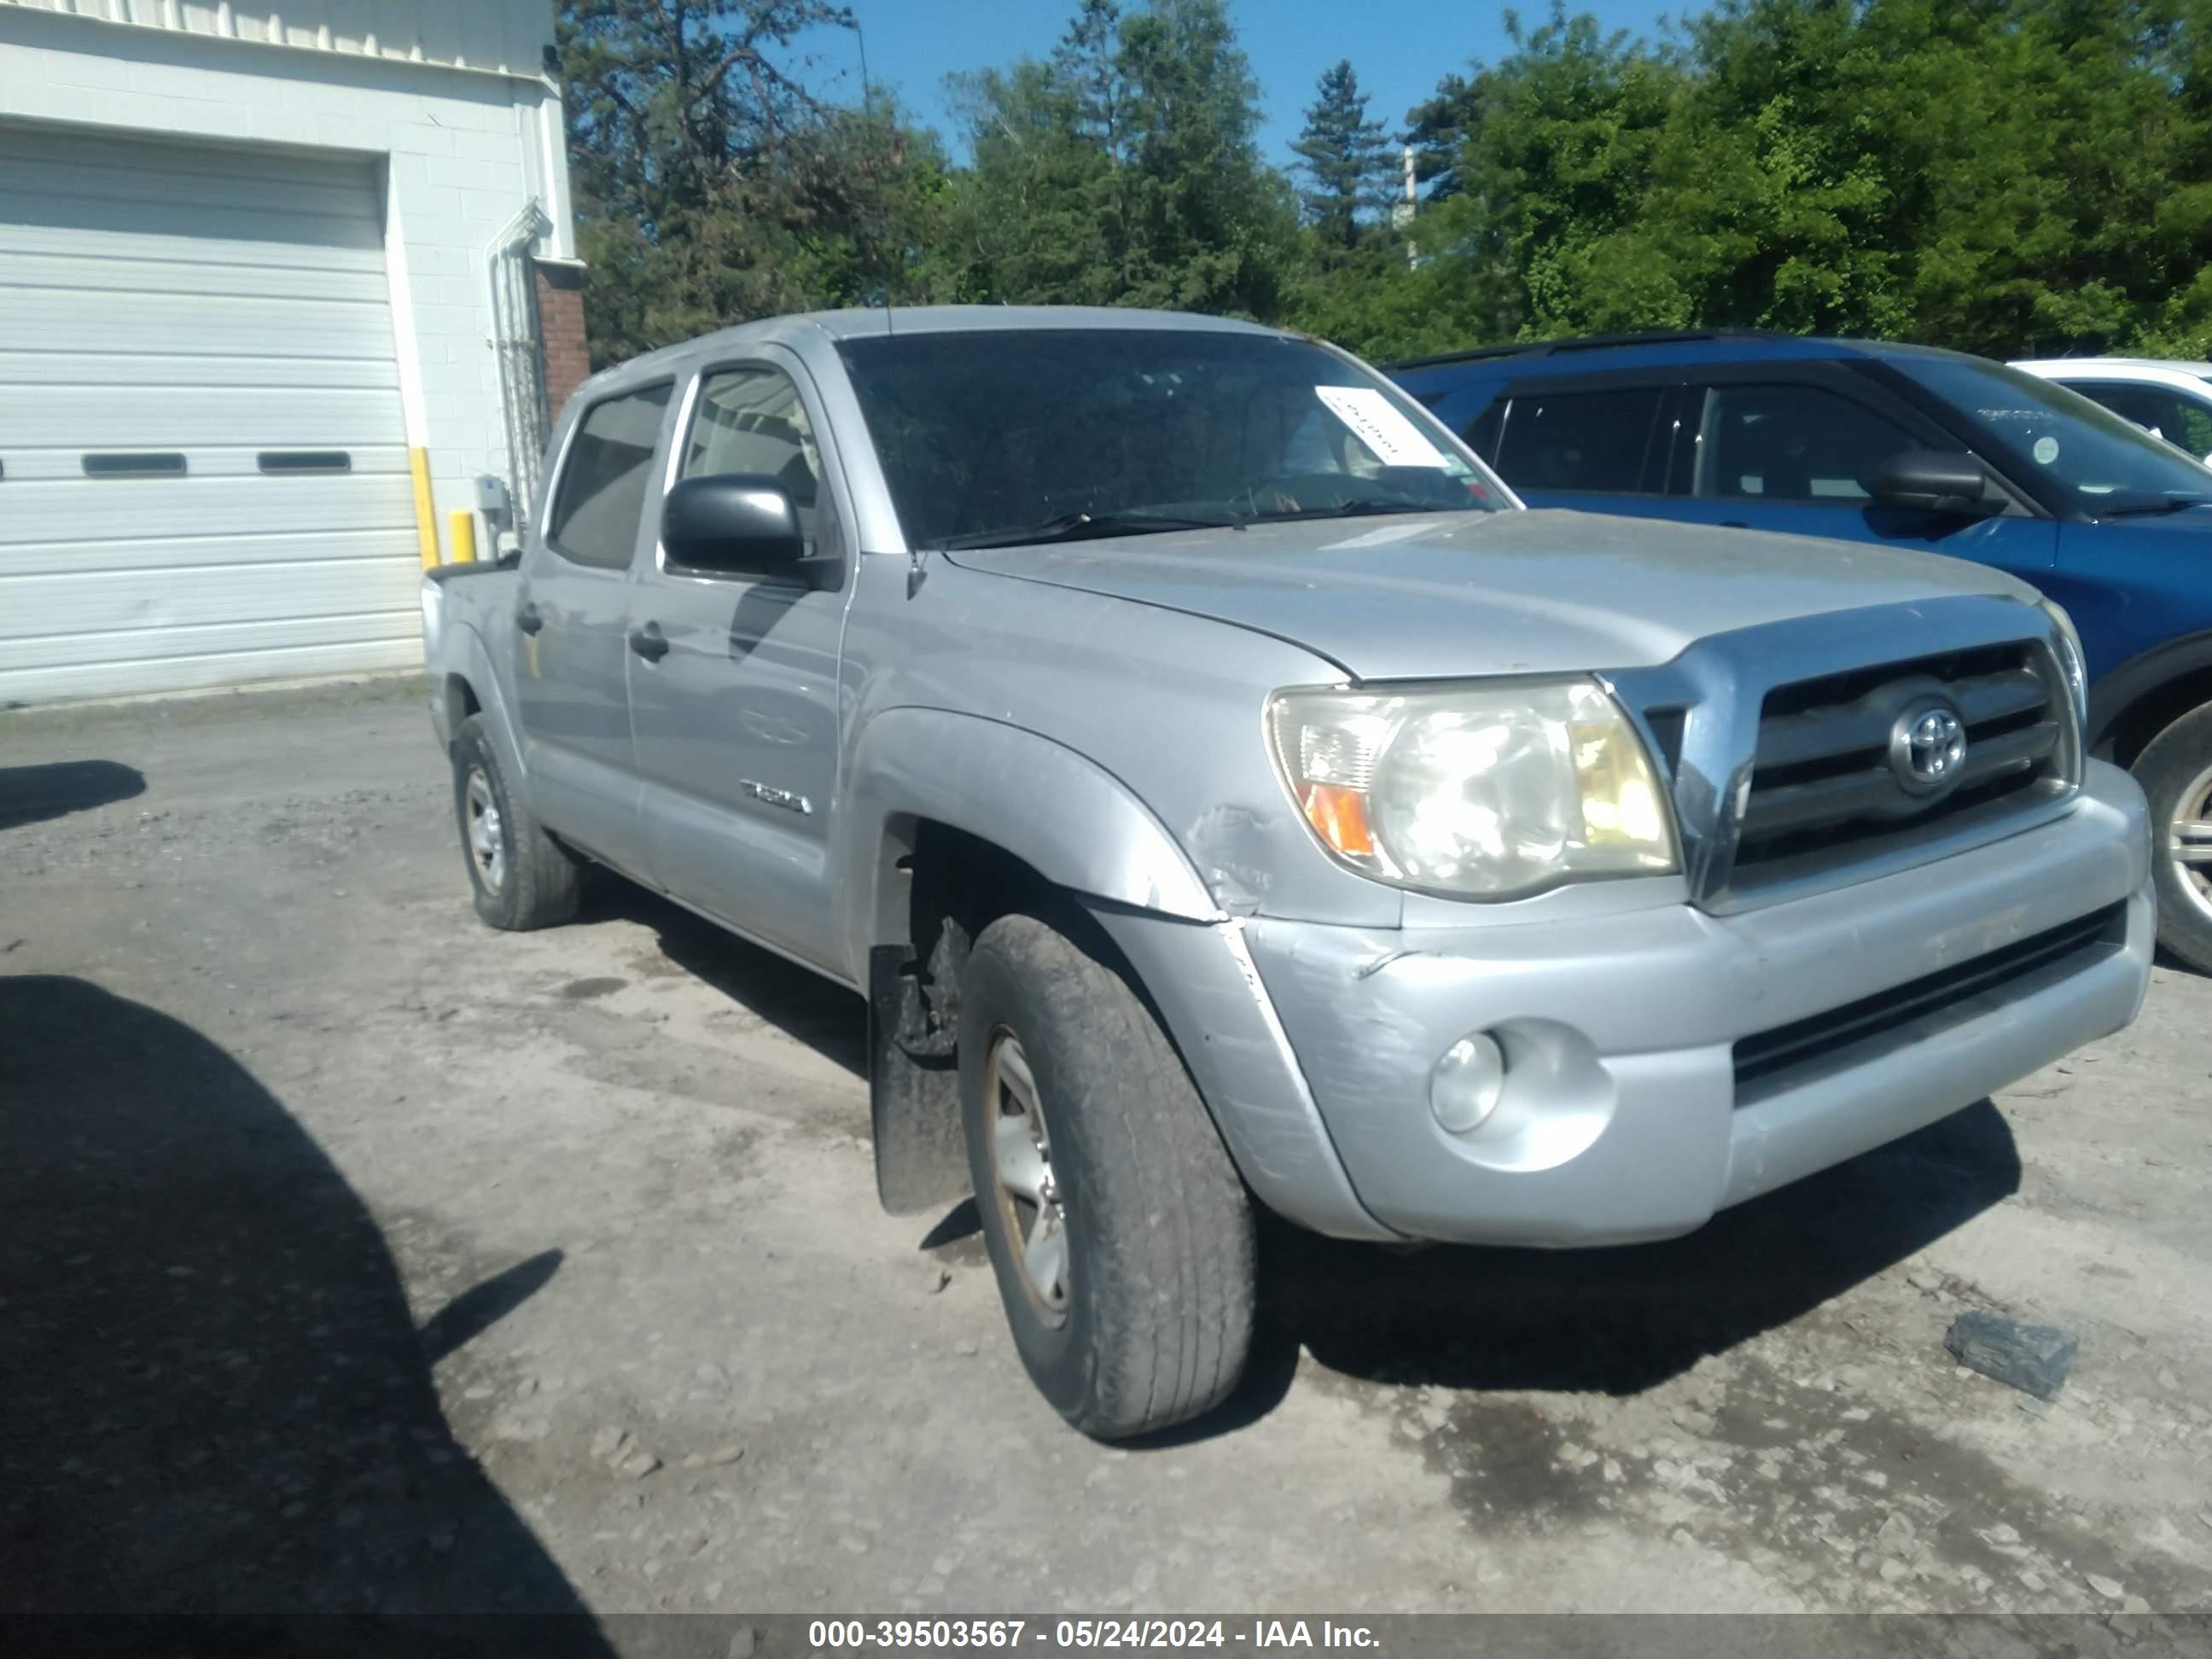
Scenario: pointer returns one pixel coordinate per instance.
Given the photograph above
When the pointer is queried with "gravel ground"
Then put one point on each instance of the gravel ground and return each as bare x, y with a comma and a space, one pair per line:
355, 1257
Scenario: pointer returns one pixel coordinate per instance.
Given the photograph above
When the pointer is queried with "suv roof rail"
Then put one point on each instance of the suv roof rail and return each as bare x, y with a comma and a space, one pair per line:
1591, 341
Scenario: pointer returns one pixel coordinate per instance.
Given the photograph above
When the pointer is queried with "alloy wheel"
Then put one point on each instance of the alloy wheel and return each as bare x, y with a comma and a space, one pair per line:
1031, 1206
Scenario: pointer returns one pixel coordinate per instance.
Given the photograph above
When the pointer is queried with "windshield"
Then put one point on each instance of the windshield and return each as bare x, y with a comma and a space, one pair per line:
998, 437
2102, 463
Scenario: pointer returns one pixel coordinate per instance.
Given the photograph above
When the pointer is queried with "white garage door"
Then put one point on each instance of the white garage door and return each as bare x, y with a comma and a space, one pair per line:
202, 464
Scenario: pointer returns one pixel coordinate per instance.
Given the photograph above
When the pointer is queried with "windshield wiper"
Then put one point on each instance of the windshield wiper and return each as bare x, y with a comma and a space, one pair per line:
1363, 509
1088, 526
2173, 501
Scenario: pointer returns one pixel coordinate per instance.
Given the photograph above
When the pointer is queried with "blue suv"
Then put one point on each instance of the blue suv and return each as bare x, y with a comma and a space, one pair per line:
1903, 447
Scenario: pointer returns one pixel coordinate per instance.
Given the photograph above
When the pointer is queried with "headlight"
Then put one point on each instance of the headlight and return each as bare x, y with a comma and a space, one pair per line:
2071, 663
1479, 791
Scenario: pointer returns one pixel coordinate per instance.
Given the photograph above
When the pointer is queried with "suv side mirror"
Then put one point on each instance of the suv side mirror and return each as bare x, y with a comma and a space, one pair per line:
732, 524
1933, 481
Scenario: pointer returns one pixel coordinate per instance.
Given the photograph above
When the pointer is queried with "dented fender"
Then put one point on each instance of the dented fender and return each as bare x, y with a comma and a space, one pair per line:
1066, 816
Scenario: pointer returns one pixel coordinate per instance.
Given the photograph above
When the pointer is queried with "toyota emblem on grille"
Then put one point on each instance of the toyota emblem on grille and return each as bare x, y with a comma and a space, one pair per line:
1927, 746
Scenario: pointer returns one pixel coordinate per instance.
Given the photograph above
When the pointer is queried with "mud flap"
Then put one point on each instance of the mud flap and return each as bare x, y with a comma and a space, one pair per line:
913, 1089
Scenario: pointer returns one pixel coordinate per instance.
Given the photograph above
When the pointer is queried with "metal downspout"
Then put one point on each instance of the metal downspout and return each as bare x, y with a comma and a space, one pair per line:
515, 344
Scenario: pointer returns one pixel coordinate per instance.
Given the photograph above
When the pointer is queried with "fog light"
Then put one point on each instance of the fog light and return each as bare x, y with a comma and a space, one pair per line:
1464, 1086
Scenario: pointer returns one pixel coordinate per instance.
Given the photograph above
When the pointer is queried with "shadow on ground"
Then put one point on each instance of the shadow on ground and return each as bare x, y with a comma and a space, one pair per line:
1612, 1321
1623, 1320
828, 1018
31, 794
216, 1400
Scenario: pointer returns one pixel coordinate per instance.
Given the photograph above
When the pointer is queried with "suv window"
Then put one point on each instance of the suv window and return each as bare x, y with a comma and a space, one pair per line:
2101, 463
1789, 443
1481, 433
1592, 440
601, 494
2172, 414
750, 419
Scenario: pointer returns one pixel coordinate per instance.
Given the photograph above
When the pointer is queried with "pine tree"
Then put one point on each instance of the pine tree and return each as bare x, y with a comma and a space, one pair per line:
1436, 129
1085, 60
1345, 157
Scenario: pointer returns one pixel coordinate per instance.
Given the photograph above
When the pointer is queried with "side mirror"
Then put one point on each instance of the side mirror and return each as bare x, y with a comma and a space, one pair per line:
1933, 481
732, 524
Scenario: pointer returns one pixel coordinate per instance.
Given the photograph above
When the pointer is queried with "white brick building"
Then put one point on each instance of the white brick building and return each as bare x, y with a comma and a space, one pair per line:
276, 281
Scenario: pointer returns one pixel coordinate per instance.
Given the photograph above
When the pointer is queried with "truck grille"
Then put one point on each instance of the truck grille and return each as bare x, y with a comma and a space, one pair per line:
2065, 949
1823, 785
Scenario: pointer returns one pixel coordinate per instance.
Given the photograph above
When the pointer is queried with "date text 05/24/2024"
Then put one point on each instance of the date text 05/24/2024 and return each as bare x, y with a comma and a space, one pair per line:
831, 1634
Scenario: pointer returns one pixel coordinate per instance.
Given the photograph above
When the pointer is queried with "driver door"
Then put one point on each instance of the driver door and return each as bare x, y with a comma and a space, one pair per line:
733, 691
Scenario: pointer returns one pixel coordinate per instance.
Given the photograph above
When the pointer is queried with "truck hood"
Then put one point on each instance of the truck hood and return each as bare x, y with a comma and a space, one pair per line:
1434, 595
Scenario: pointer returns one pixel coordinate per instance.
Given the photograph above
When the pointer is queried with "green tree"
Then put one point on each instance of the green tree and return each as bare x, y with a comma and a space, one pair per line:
1345, 157
2004, 176
712, 186
1437, 130
1036, 218
1123, 171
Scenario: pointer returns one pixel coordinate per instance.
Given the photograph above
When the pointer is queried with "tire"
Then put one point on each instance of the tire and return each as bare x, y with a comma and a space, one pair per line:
2175, 770
521, 877
1156, 1257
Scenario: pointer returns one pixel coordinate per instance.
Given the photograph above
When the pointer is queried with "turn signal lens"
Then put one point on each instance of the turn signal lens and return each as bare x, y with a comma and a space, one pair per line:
1339, 816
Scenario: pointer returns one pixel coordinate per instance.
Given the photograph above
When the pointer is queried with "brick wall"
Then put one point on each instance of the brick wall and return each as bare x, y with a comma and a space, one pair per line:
567, 357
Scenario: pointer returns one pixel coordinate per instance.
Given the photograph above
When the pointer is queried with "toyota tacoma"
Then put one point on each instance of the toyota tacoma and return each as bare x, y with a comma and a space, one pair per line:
1223, 793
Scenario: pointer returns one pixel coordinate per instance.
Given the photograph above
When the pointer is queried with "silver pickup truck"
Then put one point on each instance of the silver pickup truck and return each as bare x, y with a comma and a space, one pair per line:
1223, 793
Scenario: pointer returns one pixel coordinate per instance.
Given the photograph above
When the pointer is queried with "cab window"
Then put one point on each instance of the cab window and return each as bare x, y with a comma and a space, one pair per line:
749, 420
601, 493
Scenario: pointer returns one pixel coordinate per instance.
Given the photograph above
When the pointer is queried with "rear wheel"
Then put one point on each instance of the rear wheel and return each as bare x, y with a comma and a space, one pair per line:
521, 877
1118, 1228
2175, 770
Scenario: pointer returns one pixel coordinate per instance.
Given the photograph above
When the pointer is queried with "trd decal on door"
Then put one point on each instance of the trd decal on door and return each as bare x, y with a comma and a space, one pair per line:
783, 797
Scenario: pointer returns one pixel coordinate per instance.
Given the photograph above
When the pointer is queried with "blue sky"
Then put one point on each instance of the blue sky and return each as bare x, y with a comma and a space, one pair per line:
1401, 48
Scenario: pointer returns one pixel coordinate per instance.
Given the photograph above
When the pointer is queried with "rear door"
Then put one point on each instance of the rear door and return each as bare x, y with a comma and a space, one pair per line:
736, 709
572, 655
1788, 447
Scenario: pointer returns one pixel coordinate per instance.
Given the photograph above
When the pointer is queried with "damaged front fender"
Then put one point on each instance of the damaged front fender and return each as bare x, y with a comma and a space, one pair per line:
1065, 817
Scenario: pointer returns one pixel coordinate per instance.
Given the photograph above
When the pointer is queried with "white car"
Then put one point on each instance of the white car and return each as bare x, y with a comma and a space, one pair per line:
2170, 399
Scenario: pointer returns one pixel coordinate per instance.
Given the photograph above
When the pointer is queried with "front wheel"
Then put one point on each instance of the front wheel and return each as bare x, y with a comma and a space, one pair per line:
2175, 770
1118, 1228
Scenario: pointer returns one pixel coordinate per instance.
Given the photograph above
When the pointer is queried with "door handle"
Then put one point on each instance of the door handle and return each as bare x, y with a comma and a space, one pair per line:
528, 619
1734, 524
649, 642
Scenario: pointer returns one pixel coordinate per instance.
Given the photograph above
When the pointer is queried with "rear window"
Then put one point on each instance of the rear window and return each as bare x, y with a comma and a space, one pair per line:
603, 481
1577, 440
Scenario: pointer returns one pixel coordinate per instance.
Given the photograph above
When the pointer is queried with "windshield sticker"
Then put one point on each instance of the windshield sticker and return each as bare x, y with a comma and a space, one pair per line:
2046, 451
1394, 440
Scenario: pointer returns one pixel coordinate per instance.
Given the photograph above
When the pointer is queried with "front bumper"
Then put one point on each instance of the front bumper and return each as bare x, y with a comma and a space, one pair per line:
1622, 1117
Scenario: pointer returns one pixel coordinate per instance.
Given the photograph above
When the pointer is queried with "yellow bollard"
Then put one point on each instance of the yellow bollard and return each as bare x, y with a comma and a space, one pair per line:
426, 515
463, 525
